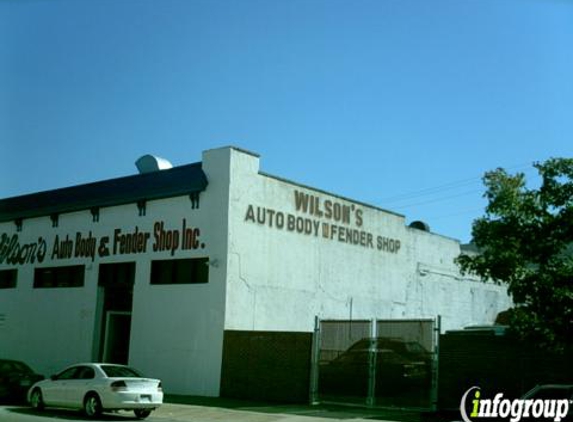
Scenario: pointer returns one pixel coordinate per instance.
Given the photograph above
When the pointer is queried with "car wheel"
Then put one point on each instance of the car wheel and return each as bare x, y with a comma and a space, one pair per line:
142, 413
92, 405
36, 399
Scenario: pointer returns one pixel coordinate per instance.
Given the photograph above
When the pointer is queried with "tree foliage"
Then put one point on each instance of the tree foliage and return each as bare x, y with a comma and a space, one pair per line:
525, 240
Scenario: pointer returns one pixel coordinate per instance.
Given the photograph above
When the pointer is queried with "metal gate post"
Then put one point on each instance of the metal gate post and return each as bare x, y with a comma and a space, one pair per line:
314, 362
370, 399
435, 373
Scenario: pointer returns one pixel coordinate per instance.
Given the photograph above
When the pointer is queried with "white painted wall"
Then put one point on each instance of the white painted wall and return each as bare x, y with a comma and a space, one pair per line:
177, 330
280, 279
47, 328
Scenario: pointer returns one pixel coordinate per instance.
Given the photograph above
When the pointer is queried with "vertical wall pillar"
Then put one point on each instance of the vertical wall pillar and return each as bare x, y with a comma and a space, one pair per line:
371, 398
435, 357
314, 362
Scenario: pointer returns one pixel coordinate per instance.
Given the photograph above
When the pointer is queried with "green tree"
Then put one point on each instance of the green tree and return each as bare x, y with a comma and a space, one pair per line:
525, 240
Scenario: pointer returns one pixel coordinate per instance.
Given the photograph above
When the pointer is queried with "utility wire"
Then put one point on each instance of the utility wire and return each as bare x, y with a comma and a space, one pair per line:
431, 191
443, 188
455, 214
440, 199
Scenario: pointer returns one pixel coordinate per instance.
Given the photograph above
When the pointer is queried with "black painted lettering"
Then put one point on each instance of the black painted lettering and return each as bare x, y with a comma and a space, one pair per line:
291, 222
328, 209
359, 218
316, 226
301, 201
250, 216
116, 239
280, 222
261, 215
325, 230
271, 214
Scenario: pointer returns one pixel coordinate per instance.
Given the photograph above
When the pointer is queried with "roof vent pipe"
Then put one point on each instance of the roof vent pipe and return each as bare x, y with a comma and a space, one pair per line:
150, 163
420, 225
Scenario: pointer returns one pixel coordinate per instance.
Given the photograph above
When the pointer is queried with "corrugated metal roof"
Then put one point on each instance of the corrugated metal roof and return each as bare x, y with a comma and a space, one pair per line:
181, 180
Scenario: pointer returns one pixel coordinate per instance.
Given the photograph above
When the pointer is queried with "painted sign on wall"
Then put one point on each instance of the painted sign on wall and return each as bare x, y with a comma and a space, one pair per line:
88, 245
325, 218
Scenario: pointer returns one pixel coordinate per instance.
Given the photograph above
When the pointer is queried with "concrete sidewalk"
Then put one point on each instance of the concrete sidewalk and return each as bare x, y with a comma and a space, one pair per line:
187, 412
200, 409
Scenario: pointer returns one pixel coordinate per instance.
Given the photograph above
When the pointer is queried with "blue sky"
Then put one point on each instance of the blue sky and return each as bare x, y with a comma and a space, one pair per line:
401, 104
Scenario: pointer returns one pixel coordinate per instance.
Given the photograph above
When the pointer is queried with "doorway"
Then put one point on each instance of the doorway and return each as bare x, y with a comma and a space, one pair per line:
113, 318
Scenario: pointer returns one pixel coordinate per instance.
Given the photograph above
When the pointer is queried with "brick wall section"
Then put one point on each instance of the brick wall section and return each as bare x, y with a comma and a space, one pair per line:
497, 364
268, 366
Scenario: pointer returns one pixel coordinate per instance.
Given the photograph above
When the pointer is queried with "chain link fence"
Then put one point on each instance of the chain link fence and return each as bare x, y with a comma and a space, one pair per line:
385, 363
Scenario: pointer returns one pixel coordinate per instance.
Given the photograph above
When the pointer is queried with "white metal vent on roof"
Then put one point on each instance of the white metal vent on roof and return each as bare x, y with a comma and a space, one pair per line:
150, 163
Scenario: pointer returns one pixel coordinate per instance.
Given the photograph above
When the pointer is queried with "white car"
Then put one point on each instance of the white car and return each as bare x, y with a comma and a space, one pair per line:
96, 388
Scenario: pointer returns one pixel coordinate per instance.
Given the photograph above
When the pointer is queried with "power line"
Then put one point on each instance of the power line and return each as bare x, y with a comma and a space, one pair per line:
431, 190
442, 188
440, 199
455, 214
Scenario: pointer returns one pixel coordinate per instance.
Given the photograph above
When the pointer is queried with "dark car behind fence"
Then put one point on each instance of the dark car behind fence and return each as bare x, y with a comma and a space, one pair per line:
385, 363
389, 363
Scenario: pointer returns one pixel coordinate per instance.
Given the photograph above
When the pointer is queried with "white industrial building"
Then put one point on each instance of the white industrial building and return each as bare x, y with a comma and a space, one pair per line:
155, 269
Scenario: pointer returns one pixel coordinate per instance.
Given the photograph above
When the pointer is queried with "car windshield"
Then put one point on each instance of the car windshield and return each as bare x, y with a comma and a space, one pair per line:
115, 371
416, 348
14, 366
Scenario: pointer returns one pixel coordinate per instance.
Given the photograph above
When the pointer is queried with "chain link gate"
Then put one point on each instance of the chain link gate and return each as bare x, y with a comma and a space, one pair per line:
384, 363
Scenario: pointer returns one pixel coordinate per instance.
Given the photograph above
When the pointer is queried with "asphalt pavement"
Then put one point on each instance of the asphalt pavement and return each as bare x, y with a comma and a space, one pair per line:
185, 412
187, 408
201, 409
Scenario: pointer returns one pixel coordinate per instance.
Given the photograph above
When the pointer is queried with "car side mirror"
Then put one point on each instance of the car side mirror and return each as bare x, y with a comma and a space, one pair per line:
53, 377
